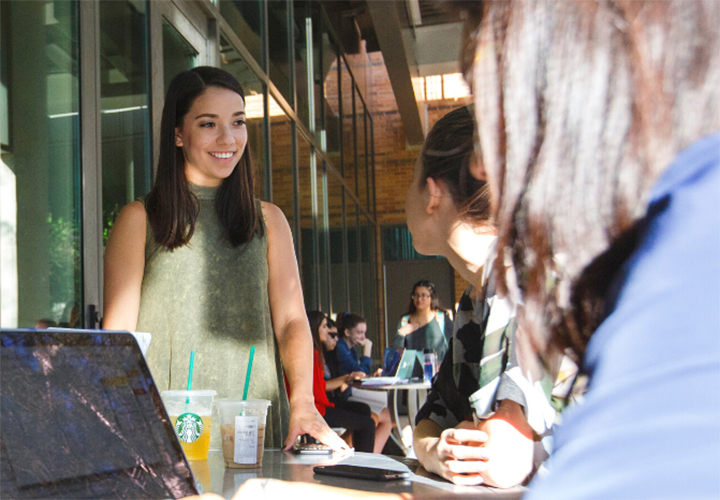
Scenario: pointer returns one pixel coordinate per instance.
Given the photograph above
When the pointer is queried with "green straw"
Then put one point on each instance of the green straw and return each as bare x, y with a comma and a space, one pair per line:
190, 374
190, 371
247, 375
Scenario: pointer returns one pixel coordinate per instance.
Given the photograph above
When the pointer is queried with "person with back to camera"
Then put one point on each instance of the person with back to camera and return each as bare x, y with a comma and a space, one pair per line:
202, 265
360, 422
352, 328
448, 214
425, 325
605, 175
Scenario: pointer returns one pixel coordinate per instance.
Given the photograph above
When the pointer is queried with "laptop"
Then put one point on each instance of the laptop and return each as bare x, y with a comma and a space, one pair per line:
407, 363
391, 361
80, 417
398, 367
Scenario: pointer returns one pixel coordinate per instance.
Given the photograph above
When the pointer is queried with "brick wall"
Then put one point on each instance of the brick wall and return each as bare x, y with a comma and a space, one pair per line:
394, 159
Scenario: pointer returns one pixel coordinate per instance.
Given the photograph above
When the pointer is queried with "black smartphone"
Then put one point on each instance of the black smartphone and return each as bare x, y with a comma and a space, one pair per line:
358, 472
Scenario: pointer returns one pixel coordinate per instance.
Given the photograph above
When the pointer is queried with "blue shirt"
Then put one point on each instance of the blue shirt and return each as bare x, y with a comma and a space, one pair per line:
650, 423
348, 359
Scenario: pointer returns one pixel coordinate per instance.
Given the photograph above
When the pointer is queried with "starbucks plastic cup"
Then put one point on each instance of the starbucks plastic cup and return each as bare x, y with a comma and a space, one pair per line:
190, 413
242, 427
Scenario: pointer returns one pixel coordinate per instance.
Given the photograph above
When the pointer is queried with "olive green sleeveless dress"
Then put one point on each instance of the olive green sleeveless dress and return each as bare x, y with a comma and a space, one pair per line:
212, 298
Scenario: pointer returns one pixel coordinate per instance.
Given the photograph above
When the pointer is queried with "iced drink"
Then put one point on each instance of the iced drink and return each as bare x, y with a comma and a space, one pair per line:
242, 427
194, 448
190, 413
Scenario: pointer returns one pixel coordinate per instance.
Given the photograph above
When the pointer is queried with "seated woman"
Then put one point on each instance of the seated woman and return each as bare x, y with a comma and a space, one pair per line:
352, 329
425, 325
447, 213
358, 421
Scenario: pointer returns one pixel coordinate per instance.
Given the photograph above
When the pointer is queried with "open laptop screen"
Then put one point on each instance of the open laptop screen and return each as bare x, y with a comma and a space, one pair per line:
81, 418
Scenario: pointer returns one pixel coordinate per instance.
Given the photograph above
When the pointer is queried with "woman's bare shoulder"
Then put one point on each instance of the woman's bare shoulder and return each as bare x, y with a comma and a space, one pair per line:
274, 217
132, 217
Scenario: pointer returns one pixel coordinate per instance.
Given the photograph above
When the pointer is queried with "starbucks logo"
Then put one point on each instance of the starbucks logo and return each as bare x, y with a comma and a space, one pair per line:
189, 427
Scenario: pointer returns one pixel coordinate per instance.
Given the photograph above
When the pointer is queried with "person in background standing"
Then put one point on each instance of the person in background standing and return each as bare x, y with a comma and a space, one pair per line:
425, 325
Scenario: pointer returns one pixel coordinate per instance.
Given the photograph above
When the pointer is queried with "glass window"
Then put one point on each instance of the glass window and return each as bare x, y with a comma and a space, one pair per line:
302, 23
322, 236
278, 48
125, 117
354, 269
348, 124
178, 54
254, 109
281, 146
338, 252
245, 18
40, 187
307, 226
369, 277
327, 102
361, 167
370, 135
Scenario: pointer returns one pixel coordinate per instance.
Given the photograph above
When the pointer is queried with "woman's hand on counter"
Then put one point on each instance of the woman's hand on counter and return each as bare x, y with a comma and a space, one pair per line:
509, 446
305, 419
457, 454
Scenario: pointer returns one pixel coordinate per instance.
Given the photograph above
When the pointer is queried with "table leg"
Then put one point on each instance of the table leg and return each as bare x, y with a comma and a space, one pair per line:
396, 433
416, 400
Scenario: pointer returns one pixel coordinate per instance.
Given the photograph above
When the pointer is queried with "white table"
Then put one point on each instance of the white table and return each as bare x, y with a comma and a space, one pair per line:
417, 394
276, 464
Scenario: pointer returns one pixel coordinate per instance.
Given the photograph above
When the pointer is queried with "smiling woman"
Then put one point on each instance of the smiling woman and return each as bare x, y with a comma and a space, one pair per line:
213, 136
204, 266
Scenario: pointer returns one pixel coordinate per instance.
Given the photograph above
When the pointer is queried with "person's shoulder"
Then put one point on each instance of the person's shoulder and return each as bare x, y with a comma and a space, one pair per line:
129, 229
275, 220
132, 215
272, 213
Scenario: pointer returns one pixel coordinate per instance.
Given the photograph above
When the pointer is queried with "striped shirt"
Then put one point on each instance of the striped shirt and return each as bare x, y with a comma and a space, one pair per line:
480, 368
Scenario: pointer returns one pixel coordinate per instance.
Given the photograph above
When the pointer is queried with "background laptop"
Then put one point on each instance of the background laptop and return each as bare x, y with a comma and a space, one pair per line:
80, 417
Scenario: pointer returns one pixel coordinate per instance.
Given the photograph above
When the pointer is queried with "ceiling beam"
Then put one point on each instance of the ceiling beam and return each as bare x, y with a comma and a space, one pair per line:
389, 34
415, 16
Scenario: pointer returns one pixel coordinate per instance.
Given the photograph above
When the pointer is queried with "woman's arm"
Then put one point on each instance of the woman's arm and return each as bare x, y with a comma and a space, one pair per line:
124, 268
342, 381
292, 331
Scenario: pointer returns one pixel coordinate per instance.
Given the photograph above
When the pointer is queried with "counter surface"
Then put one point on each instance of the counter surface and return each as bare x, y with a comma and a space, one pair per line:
278, 464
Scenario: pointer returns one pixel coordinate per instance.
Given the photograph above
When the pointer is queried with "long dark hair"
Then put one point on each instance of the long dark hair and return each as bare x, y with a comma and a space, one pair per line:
447, 154
578, 116
348, 321
315, 318
171, 207
434, 299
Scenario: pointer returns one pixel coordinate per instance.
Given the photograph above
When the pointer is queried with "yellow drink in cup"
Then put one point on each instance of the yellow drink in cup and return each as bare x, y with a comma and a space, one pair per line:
190, 413
195, 447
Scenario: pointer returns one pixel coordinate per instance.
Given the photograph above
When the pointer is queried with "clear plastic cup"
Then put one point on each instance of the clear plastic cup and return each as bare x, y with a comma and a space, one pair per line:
242, 427
190, 413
